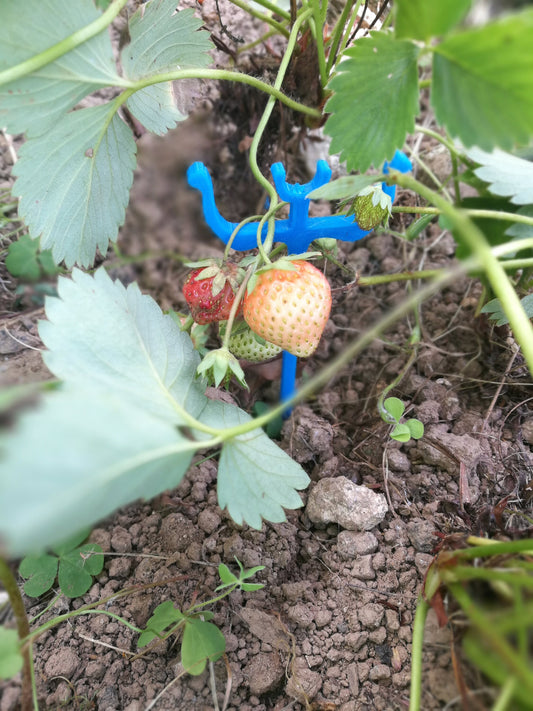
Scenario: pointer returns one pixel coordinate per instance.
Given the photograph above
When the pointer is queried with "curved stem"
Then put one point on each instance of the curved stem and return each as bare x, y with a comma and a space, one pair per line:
272, 7
485, 214
422, 609
277, 26
9, 582
66, 45
220, 75
474, 238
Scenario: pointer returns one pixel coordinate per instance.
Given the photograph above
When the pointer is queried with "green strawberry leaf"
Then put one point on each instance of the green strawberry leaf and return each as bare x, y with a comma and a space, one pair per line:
165, 616
202, 642
35, 103
390, 92
10, 656
422, 20
507, 175
113, 338
496, 313
256, 479
40, 572
345, 187
64, 180
482, 75
520, 230
179, 46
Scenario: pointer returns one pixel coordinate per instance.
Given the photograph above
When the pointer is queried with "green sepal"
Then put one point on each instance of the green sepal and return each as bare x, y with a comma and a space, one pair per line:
218, 366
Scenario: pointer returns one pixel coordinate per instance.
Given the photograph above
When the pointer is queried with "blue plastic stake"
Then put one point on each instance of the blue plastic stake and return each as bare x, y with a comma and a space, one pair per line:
297, 231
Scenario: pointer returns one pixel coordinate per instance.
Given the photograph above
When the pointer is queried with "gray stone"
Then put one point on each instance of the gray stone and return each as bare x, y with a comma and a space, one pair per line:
339, 500
264, 673
64, 662
421, 533
363, 569
303, 684
370, 615
351, 544
380, 672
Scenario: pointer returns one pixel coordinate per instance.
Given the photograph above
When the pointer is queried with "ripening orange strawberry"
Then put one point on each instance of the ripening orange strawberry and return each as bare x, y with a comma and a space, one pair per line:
289, 306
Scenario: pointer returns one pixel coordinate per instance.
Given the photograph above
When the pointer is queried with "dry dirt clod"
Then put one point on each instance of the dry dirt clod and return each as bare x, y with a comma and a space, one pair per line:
339, 500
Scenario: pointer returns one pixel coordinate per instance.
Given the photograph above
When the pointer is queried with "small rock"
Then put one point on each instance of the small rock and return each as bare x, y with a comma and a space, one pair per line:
380, 672
209, 520
119, 568
120, 540
353, 678
303, 684
64, 662
363, 568
421, 533
323, 618
177, 533
264, 673
339, 500
95, 670
301, 615
370, 615
398, 460
351, 544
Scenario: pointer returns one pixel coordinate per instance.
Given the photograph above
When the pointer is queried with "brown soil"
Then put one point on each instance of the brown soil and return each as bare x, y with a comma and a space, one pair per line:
332, 627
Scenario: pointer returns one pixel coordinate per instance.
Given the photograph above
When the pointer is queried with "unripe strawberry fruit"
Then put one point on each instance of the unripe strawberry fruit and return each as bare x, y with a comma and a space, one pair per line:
210, 291
289, 306
247, 346
372, 207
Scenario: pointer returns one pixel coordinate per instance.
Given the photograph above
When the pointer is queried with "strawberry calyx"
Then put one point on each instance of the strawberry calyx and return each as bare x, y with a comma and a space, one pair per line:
218, 367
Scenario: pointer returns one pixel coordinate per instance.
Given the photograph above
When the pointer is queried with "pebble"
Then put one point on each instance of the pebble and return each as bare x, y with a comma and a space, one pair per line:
351, 544
371, 615
120, 540
380, 672
303, 684
363, 569
339, 500
301, 615
209, 520
264, 673
421, 533
64, 662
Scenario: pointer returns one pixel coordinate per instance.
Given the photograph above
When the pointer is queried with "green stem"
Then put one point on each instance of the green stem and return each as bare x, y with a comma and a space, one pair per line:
49, 55
506, 695
424, 83
9, 582
276, 9
220, 75
337, 34
417, 645
429, 173
235, 305
263, 17
441, 139
487, 214
319, 19
516, 665
271, 191
474, 238
76, 613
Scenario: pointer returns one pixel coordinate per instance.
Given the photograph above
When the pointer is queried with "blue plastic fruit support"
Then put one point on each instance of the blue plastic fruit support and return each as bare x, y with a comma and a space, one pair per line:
297, 231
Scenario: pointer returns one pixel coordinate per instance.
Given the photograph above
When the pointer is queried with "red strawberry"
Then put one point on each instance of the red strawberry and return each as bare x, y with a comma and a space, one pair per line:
210, 291
289, 306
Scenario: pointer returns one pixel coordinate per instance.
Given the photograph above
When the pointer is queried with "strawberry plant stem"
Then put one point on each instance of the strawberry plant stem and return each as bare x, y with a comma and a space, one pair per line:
271, 191
277, 26
49, 55
422, 609
488, 214
337, 34
272, 7
9, 582
474, 238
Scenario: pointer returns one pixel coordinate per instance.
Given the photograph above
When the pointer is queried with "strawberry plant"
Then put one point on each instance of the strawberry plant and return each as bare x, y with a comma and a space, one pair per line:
133, 406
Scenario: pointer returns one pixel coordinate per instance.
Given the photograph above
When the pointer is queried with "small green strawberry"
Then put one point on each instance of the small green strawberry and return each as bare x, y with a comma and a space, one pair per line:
288, 304
246, 345
372, 207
